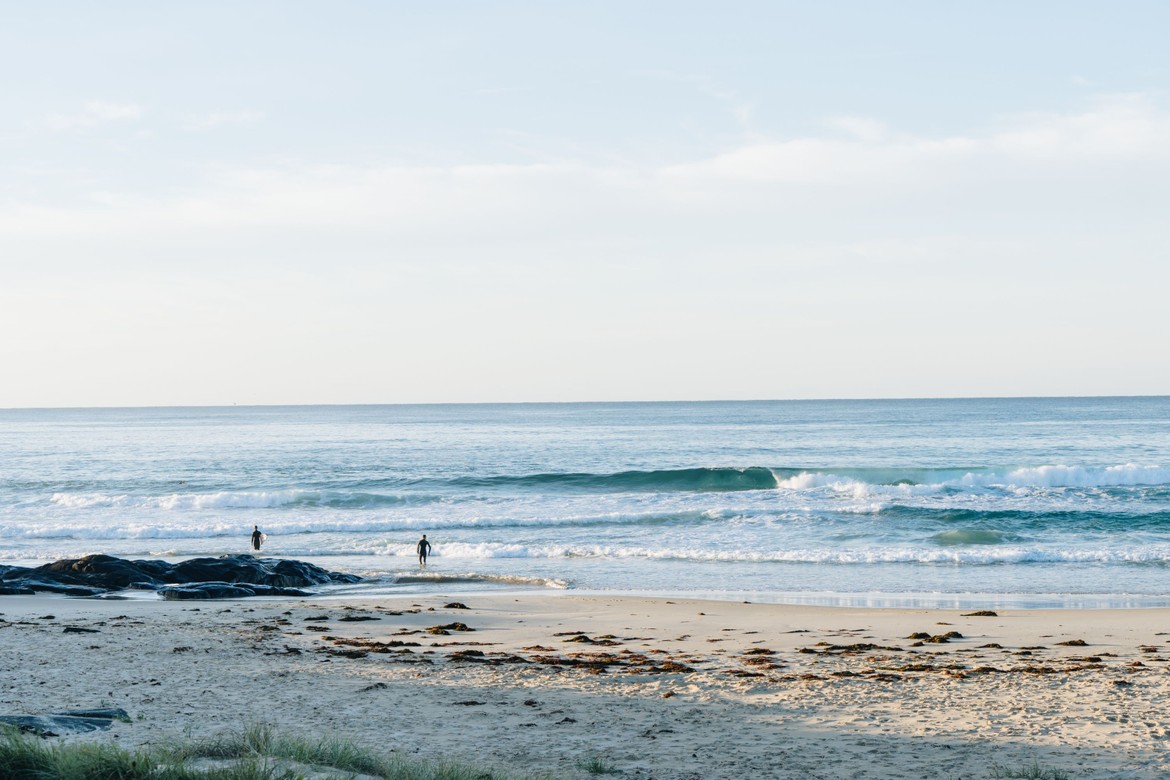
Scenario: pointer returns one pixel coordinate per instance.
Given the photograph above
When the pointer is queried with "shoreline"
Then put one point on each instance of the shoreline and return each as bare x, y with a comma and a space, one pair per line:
423, 582
656, 687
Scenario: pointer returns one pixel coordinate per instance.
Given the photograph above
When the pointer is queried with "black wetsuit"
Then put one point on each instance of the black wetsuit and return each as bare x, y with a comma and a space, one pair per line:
424, 548
256, 538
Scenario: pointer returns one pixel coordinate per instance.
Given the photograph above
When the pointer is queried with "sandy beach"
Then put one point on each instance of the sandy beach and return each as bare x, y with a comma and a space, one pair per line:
656, 688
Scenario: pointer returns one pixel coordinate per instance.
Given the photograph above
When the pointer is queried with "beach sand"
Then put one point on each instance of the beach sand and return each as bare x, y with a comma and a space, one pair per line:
655, 688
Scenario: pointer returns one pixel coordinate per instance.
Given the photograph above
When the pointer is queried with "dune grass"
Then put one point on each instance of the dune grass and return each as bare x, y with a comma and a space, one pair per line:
256, 753
1031, 771
596, 765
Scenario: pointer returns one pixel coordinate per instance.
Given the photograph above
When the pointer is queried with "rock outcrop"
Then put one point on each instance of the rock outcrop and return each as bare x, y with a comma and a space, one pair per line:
226, 577
70, 722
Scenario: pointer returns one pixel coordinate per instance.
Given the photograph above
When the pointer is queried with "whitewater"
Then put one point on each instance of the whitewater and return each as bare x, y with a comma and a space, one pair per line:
970, 503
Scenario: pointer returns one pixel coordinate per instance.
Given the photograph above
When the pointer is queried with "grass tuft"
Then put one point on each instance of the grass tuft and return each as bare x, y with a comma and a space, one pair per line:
1031, 771
596, 765
256, 753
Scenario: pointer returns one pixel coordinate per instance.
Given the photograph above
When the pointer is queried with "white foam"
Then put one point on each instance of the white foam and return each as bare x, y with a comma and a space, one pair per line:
1046, 476
502, 579
1058, 476
984, 554
850, 487
175, 501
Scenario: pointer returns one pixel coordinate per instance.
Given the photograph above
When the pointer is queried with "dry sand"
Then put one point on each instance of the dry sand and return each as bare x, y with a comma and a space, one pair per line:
661, 689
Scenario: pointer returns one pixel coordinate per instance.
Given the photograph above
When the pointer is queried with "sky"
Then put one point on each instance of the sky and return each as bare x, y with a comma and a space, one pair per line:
222, 203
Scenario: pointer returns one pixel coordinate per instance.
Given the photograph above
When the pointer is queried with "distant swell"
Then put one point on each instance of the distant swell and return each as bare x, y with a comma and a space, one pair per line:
693, 480
915, 481
849, 483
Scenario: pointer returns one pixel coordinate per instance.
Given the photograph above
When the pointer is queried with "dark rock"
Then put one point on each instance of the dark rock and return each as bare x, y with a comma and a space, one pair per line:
80, 630
229, 576
105, 572
455, 605
69, 722
225, 590
273, 572
980, 613
6, 590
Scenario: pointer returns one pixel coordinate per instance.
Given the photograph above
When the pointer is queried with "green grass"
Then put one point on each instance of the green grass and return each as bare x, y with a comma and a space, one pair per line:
1031, 771
596, 765
257, 753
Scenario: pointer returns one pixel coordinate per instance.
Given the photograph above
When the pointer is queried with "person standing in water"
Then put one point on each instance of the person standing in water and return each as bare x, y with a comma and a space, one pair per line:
257, 538
424, 549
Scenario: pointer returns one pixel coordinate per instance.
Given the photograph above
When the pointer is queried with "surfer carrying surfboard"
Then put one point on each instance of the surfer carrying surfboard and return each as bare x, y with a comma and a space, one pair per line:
424, 548
257, 537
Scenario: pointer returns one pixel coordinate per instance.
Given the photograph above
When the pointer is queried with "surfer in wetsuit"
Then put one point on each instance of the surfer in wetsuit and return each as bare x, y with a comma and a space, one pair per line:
257, 537
424, 548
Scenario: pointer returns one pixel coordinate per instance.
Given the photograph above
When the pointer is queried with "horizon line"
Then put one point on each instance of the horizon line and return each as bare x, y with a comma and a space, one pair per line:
580, 403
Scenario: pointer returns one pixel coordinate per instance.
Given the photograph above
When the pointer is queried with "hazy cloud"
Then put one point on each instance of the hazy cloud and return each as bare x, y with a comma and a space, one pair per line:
216, 119
94, 113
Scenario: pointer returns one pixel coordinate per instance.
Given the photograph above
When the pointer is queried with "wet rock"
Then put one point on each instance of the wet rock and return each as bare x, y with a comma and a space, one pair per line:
981, 613
95, 575
68, 722
225, 590
9, 590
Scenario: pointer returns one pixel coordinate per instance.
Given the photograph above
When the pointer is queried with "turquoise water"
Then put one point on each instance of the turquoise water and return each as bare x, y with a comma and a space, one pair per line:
1025, 502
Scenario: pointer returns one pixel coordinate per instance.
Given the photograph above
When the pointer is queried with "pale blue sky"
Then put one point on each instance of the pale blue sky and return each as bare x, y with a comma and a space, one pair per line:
215, 203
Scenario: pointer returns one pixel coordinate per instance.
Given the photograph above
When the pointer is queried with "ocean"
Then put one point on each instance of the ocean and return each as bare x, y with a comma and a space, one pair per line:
967, 503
